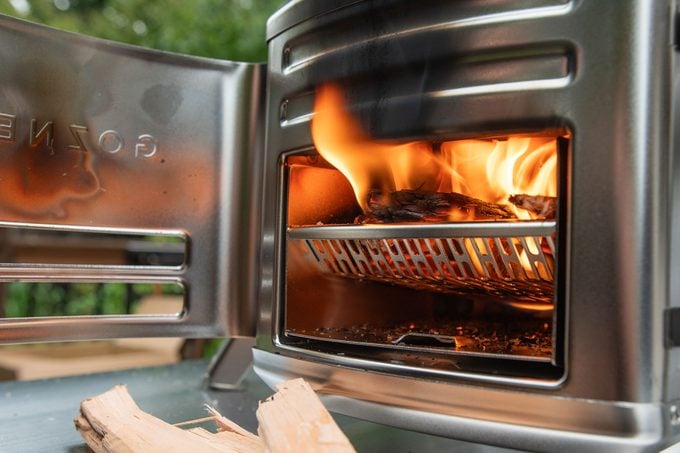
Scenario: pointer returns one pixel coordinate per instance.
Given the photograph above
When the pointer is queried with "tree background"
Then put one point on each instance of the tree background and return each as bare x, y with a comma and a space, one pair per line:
224, 29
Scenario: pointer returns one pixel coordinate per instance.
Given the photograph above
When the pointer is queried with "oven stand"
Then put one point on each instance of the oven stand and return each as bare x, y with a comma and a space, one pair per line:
231, 364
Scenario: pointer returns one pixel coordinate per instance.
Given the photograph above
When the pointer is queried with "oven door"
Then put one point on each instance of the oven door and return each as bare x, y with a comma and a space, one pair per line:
105, 143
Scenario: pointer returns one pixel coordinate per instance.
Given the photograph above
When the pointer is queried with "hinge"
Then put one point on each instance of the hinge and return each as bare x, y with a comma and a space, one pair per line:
675, 29
672, 327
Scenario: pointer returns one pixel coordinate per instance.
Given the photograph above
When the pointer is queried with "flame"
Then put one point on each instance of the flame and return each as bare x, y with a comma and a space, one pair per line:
321, 195
490, 170
366, 163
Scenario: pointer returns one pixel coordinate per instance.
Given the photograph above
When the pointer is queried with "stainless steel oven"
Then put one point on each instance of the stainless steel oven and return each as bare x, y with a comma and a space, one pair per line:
452, 217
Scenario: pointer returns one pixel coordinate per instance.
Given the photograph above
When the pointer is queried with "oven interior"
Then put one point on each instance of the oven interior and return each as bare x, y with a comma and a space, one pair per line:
434, 254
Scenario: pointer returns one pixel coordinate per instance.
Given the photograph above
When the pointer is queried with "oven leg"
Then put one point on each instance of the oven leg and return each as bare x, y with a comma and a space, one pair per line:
231, 363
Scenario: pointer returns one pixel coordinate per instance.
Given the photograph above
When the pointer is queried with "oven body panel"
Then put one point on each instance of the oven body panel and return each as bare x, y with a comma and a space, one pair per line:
600, 70
672, 381
101, 138
490, 415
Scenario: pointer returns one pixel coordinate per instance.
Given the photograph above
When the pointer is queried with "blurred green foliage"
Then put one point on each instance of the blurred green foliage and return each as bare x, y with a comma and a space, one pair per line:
225, 29
72, 299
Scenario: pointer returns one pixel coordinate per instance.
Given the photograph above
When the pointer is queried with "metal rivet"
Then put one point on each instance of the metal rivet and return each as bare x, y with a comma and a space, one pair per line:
675, 415
283, 111
285, 58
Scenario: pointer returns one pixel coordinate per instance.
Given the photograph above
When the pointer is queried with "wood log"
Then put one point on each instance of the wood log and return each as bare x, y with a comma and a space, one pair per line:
427, 206
112, 422
292, 420
93, 439
230, 441
226, 425
544, 207
295, 421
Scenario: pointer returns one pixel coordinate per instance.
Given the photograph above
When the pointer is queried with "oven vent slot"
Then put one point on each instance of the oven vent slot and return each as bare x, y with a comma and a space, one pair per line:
502, 260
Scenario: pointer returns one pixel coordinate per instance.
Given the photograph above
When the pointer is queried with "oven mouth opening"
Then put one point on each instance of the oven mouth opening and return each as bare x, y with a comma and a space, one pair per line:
452, 287
491, 323
476, 293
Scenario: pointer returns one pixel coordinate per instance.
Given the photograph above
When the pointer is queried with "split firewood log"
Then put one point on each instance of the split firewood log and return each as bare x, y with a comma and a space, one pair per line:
292, 420
113, 423
543, 206
427, 206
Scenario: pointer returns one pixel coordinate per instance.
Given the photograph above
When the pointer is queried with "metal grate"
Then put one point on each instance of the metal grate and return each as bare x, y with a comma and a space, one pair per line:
503, 260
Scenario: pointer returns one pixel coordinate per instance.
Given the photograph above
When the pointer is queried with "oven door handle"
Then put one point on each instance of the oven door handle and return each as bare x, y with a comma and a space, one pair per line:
99, 138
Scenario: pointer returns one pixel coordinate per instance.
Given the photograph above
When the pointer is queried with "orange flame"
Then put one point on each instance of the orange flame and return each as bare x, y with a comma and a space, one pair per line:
366, 163
490, 170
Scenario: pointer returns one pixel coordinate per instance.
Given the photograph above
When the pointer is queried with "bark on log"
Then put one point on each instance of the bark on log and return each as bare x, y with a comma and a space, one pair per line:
427, 206
542, 206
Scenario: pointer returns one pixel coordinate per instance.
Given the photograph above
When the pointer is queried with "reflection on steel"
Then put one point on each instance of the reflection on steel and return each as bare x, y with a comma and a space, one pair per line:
504, 260
108, 138
426, 339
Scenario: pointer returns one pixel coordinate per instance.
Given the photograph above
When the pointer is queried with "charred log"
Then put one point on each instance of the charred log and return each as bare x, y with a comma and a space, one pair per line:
542, 206
427, 206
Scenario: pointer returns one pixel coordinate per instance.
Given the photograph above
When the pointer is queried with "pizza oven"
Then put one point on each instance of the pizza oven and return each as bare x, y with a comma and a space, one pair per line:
457, 218
468, 214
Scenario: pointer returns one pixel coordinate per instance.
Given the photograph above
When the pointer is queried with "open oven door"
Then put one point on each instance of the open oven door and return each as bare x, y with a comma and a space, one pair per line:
100, 140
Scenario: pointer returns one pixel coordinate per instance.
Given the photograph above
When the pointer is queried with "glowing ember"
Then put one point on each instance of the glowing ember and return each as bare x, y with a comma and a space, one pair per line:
487, 170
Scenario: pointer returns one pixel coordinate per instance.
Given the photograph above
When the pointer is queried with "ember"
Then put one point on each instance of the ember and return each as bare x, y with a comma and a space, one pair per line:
526, 337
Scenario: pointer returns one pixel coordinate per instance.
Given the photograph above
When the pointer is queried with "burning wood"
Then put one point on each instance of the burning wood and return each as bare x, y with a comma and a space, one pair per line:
424, 181
544, 207
427, 206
